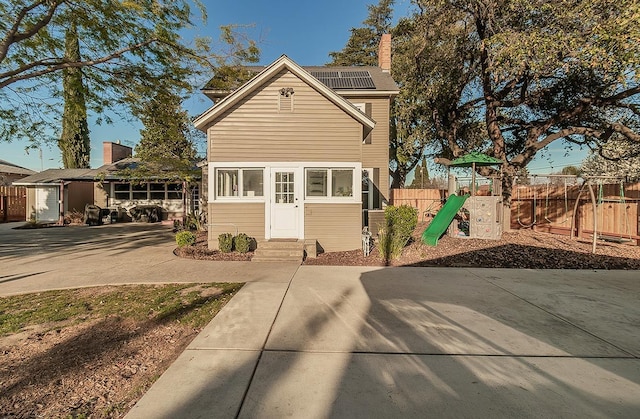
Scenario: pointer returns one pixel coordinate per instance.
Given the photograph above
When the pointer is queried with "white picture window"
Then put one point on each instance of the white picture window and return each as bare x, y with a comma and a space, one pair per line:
329, 183
341, 182
239, 183
317, 182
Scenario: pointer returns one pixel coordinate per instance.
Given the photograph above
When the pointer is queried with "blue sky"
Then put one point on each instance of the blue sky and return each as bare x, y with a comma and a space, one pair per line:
305, 31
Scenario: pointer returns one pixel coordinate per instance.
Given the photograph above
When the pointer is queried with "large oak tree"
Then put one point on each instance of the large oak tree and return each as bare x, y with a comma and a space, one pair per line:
528, 74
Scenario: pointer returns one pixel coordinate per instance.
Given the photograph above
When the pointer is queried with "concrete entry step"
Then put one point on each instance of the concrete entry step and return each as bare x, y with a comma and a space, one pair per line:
279, 251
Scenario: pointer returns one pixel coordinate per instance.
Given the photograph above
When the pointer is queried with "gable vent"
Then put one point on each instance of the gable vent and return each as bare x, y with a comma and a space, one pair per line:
285, 99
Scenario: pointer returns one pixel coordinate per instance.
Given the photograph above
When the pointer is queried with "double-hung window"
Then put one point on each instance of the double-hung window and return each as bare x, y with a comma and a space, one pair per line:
329, 183
240, 183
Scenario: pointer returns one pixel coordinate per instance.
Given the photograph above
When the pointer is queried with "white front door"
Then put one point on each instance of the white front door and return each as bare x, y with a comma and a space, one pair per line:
285, 203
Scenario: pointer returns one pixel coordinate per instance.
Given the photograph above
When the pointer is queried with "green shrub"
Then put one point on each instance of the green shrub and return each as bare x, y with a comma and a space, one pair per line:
185, 238
403, 220
399, 223
242, 243
225, 242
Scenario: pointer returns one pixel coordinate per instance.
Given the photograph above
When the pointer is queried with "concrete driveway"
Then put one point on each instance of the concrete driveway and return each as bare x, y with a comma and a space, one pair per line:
353, 342
78, 256
414, 342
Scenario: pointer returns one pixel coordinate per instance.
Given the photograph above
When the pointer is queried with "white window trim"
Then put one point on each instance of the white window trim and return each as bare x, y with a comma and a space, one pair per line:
213, 183
371, 186
330, 197
267, 166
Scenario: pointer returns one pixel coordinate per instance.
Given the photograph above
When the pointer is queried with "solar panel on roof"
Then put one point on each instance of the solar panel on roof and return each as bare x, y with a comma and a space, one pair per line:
352, 74
363, 83
325, 74
345, 79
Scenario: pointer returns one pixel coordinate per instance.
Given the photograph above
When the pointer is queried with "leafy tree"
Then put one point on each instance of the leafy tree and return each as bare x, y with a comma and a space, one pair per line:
421, 178
510, 77
617, 158
127, 50
407, 139
571, 170
362, 46
165, 142
74, 141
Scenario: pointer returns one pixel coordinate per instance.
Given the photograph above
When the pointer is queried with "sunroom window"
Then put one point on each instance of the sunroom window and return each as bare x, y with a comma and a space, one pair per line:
248, 183
329, 183
341, 182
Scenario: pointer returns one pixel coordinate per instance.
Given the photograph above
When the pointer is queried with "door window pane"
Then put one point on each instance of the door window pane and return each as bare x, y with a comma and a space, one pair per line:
284, 192
341, 182
317, 182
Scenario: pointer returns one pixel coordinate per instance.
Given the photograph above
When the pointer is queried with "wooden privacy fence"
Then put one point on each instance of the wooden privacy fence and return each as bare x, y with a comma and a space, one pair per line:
13, 203
427, 201
550, 207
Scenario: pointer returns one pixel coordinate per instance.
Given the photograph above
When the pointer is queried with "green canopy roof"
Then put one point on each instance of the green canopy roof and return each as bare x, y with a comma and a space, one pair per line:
475, 159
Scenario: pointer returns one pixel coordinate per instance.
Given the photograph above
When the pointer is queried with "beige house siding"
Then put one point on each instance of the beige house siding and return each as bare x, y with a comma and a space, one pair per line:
376, 154
100, 195
337, 227
255, 130
225, 217
31, 203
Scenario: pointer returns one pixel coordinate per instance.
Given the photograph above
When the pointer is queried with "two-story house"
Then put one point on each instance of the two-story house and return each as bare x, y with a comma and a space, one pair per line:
300, 152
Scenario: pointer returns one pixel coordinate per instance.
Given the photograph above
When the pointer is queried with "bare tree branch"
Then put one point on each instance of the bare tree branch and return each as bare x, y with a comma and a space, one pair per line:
12, 36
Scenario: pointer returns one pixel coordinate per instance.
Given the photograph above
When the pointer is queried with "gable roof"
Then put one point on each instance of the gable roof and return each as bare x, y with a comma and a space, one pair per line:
7, 167
380, 82
280, 64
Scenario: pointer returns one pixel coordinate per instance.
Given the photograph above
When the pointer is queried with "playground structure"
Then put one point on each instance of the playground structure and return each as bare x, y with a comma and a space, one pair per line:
467, 214
593, 208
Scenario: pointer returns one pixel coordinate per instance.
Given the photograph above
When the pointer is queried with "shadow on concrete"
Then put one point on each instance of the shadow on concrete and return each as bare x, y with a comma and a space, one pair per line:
11, 278
45, 243
400, 342
529, 257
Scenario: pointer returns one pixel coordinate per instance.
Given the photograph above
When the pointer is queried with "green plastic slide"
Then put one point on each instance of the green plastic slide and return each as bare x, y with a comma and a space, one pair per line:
442, 219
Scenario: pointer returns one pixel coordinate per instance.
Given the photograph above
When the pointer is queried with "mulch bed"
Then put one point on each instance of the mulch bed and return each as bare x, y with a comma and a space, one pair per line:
516, 249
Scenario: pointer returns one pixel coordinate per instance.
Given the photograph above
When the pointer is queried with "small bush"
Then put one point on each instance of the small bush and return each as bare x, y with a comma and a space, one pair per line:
225, 242
403, 220
185, 238
399, 223
242, 243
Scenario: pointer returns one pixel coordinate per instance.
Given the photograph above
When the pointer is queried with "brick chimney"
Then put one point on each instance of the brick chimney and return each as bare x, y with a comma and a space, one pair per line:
113, 152
384, 53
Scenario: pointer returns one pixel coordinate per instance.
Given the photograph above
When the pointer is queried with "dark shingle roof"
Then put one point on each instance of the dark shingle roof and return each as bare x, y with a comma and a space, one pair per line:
381, 81
7, 167
58, 175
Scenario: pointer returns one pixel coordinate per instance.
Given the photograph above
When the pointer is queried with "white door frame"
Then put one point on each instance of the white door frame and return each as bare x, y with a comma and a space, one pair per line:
296, 208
